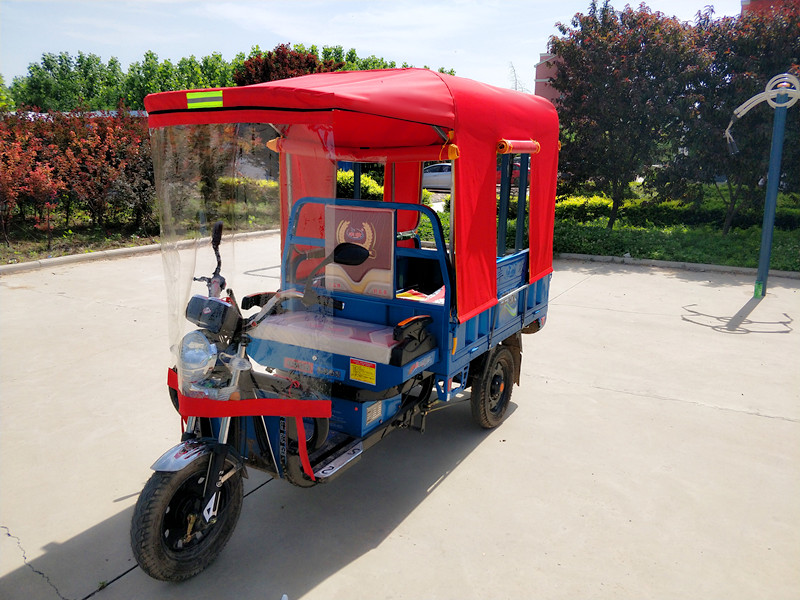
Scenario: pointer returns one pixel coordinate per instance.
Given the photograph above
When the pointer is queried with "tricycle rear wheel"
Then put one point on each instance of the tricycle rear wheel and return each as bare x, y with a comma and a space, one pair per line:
491, 389
170, 539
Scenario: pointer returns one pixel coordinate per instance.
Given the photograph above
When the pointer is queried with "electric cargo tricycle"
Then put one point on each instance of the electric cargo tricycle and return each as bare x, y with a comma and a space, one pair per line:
378, 314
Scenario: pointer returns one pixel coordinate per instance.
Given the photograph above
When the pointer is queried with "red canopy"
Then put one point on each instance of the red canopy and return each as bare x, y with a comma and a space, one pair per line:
411, 114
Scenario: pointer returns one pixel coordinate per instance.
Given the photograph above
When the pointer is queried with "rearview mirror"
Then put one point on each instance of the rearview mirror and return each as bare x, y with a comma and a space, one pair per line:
216, 235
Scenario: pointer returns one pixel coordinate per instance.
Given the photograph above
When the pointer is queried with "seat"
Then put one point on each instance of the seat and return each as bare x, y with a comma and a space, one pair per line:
336, 335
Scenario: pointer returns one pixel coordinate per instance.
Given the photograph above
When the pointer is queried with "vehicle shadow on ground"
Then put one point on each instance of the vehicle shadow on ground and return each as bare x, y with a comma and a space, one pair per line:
288, 540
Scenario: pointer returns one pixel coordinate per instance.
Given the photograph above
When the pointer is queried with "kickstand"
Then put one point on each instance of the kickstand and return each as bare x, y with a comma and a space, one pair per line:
423, 419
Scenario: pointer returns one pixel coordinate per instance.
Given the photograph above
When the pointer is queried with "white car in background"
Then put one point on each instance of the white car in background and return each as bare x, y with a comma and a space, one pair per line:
438, 176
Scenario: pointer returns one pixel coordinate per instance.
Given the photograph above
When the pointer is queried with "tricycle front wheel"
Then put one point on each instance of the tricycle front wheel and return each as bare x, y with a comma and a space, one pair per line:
170, 538
491, 389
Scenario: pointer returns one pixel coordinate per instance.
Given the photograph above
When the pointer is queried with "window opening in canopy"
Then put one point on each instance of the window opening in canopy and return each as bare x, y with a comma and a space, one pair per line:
513, 175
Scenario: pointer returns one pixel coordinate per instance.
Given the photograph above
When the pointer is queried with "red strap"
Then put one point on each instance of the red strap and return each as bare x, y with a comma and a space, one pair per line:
267, 407
301, 435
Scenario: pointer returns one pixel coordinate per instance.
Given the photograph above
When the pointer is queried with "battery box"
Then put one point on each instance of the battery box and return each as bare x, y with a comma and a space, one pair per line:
358, 419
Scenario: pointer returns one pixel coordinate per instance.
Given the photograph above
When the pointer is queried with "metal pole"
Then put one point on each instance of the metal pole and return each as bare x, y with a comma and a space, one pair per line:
771, 201
356, 181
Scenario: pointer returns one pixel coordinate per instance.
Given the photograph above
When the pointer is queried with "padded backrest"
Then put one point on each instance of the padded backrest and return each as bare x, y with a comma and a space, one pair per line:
372, 228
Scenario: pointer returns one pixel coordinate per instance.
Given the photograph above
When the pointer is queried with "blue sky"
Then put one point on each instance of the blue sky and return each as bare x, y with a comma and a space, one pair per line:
479, 39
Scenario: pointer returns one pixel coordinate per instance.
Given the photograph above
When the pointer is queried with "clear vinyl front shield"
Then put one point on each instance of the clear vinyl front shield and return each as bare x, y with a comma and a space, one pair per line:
223, 197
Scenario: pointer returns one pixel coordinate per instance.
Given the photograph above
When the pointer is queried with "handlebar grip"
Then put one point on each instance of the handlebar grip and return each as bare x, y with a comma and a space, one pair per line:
258, 299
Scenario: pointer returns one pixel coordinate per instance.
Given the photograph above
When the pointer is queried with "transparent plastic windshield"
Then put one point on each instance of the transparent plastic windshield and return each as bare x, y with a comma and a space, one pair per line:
211, 174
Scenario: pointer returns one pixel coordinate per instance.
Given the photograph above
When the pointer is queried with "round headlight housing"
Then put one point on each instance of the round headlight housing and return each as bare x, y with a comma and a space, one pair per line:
197, 357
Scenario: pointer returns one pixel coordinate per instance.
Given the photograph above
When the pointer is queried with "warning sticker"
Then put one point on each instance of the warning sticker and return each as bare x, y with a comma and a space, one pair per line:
374, 412
362, 370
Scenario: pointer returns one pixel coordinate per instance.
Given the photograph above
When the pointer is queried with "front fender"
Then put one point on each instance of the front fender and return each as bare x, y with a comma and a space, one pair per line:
185, 453
182, 455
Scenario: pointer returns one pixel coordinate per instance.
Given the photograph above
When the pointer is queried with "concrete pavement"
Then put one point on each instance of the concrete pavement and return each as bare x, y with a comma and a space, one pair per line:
652, 451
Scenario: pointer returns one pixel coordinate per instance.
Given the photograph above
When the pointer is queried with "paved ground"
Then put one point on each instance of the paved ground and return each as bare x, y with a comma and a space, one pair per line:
653, 451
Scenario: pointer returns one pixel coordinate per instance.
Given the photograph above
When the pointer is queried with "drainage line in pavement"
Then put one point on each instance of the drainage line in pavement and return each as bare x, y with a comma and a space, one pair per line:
259, 487
105, 584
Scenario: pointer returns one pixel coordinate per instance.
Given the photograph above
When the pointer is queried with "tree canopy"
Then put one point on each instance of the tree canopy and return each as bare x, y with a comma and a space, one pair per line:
6, 103
744, 53
624, 78
281, 63
61, 82
643, 94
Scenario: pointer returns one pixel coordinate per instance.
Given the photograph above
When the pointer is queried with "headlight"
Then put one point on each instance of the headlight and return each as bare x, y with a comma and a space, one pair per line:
197, 357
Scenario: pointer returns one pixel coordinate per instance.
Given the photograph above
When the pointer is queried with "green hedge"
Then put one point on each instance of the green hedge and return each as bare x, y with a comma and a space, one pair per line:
345, 186
639, 213
678, 243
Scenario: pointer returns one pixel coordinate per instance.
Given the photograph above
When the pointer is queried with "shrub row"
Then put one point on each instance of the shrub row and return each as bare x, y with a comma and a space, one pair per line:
345, 186
668, 214
64, 165
679, 243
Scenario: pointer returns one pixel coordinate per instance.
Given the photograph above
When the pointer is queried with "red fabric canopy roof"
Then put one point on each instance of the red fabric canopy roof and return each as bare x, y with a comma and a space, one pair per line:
399, 108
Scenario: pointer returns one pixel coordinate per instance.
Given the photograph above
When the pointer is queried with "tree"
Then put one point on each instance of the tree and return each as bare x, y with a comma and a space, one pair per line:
352, 62
62, 82
516, 82
6, 102
624, 78
746, 52
15, 161
147, 77
281, 63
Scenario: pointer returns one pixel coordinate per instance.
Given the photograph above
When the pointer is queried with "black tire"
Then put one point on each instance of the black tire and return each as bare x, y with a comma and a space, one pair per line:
316, 430
316, 434
161, 520
491, 388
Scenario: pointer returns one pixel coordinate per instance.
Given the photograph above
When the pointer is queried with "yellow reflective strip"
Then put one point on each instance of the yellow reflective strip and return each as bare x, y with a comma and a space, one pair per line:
204, 99
205, 104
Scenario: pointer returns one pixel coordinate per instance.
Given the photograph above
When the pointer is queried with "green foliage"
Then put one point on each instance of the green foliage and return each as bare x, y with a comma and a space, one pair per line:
745, 52
63, 82
6, 101
350, 61
639, 212
426, 229
675, 231
345, 186
618, 75
643, 94
151, 75
705, 245
250, 202
371, 187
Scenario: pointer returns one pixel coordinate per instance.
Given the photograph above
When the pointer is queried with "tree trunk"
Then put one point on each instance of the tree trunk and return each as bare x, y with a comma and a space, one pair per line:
617, 198
732, 209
